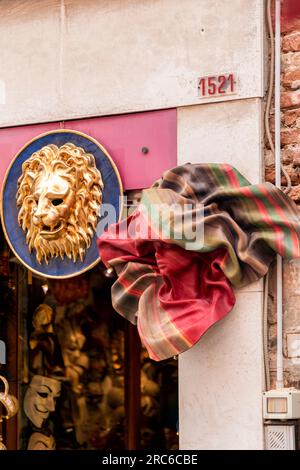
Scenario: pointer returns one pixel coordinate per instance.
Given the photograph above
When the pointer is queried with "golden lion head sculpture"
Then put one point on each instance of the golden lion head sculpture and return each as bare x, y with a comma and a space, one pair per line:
59, 195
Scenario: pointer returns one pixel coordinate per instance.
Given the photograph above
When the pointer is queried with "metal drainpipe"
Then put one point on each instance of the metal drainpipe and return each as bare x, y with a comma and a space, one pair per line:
279, 376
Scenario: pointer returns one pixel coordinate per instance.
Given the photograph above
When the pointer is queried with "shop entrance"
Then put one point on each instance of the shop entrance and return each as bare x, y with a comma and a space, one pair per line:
110, 394
72, 360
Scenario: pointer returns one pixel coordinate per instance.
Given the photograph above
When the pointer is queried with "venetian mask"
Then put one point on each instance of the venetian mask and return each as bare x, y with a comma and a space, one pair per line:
72, 344
40, 399
76, 361
43, 318
39, 441
59, 196
2, 445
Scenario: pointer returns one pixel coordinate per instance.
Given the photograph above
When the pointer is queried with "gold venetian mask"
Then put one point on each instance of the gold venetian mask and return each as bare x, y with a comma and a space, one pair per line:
59, 196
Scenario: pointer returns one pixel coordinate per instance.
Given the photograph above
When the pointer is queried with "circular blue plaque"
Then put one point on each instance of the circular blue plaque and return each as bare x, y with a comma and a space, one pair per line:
112, 194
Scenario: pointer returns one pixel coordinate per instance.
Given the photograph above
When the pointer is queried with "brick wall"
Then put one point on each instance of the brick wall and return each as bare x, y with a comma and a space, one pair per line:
290, 116
290, 141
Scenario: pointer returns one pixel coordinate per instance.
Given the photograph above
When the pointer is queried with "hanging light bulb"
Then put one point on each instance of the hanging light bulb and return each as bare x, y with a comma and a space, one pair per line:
109, 272
45, 288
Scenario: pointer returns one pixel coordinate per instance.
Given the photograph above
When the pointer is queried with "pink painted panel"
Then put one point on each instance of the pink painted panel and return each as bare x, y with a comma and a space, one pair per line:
123, 136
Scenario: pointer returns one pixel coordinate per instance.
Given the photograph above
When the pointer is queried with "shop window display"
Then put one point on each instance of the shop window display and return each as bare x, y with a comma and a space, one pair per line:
72, 368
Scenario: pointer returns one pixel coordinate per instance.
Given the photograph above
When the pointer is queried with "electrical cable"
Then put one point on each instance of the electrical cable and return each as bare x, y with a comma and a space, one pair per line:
270, 94
265, 333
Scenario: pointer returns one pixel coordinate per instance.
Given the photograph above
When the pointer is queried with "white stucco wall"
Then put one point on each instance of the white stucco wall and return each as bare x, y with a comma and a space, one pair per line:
221, 378
63, 59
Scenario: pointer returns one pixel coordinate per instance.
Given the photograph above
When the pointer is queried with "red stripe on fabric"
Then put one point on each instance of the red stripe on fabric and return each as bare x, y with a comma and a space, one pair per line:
122, 280
232, 175
295, 239
224, 261
266, 217
173, 257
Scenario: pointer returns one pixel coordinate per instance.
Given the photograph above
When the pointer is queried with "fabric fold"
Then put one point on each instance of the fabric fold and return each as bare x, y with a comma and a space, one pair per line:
198, 232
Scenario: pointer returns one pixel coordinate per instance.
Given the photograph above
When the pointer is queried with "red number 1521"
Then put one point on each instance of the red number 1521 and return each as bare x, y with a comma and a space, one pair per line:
216, 85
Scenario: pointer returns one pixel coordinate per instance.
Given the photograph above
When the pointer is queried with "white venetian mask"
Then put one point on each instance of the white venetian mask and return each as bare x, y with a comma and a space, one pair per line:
40, 399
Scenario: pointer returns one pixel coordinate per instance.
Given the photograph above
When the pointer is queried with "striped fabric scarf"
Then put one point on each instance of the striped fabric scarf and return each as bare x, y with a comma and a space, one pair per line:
197, 233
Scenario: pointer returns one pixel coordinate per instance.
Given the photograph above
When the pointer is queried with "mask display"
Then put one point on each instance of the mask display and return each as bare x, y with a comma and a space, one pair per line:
76, 361
39, 441
59, 198
45, 354
40, 399
43, 318
90, 412
2, 446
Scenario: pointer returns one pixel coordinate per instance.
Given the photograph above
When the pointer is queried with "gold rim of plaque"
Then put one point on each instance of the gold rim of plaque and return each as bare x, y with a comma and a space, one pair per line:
107, 155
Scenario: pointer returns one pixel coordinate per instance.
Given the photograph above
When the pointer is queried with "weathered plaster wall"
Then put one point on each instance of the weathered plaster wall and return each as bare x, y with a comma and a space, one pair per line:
64, 59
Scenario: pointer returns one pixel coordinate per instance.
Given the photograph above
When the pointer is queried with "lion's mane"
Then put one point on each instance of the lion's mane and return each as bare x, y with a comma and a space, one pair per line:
79, 169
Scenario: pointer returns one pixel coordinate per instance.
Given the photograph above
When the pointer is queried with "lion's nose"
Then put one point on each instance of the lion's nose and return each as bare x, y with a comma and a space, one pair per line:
38, 216
37, 219
41, 210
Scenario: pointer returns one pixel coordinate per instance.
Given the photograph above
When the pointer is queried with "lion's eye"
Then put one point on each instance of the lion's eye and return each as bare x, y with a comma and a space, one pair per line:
57, 202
